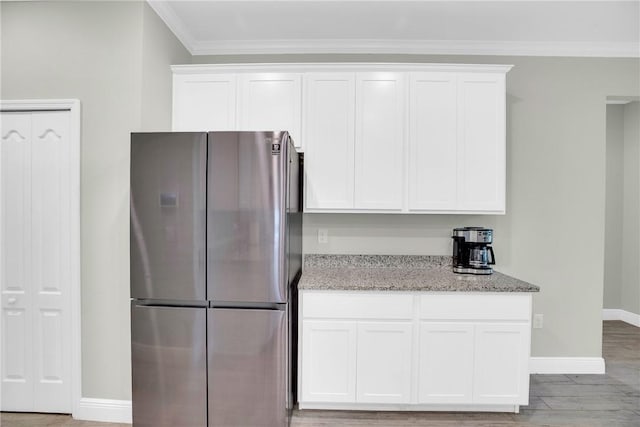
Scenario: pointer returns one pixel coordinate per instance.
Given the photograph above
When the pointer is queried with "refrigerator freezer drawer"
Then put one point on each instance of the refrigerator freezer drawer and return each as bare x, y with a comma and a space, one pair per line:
247, 367
169, 365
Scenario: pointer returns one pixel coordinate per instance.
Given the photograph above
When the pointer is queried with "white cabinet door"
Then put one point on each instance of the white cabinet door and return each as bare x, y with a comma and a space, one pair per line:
432, 142
481, 142
501, 373
36, 261
445, 362
328, 361
329, 143
204, 102
272, 101
384, 362
379, 149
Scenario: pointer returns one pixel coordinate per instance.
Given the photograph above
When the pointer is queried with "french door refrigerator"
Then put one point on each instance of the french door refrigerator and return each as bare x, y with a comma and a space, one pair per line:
216, 242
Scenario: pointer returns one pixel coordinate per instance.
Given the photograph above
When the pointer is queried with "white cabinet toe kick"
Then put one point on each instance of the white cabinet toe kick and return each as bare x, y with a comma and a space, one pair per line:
414, 351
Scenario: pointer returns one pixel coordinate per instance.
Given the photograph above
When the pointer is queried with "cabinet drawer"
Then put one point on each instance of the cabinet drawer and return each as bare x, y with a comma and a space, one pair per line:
475, 306
357, 305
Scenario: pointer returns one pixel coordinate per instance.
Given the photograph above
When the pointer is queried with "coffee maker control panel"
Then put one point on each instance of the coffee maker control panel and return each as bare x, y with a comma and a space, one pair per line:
474, 234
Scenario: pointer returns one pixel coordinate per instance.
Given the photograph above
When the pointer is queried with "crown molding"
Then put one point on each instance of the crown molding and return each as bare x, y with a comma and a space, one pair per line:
416, 47
175, 24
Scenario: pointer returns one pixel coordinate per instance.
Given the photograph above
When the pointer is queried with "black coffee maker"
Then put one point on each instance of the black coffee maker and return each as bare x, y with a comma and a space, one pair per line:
472, 251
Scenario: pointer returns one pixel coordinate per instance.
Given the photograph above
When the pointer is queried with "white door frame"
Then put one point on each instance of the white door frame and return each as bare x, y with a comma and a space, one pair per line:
73, 106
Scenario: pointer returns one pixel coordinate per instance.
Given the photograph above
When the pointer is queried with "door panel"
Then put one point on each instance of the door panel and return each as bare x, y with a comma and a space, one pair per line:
501, 374
36, 260
328, 361
246, 217
272, 101
481, 142
17, 300
168, 173
329, 129
379, 143
169, 365
50, 257
432, 143
17, 371
384, 362
247, 354
445, 371
15, 132
204, 102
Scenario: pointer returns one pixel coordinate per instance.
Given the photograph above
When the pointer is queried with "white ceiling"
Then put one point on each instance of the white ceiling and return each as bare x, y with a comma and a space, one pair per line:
537, 28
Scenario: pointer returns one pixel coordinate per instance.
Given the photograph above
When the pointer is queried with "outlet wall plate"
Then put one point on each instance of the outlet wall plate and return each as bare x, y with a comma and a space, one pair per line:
538, 321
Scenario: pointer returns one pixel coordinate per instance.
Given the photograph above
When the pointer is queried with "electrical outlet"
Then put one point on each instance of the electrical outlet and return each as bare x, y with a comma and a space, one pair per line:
538, 320
323, 235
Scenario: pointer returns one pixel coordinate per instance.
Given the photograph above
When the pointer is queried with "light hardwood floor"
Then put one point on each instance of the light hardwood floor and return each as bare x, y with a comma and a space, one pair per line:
610, 400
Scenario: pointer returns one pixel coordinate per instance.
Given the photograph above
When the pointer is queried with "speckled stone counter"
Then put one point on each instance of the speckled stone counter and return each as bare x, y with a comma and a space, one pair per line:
399, 273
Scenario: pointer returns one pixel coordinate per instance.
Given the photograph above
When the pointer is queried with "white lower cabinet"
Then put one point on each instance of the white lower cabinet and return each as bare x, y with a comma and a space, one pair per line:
418, 351
502, 363
329, 370
445, 363
384, 362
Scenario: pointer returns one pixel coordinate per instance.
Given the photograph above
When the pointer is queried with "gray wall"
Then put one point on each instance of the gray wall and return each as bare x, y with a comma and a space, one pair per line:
630, 290
553, 232
613, 209
114, 57
160, 50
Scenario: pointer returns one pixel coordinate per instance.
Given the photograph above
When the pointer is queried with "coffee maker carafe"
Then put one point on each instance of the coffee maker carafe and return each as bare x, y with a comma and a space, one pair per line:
472, 251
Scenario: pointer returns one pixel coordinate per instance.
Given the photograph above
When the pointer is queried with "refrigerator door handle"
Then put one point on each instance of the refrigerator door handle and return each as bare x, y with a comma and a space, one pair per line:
168, 303
248, 305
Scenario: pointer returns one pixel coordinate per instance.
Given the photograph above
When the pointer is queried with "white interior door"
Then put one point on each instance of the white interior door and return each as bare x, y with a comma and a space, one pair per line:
36, 264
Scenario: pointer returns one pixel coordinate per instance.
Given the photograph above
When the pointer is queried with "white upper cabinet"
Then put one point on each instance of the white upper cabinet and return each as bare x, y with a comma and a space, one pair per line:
481, 142
457, 142
354, 141
433, 148
329, 140
379, 141
389, 138
204, 102
227, 101
271, 101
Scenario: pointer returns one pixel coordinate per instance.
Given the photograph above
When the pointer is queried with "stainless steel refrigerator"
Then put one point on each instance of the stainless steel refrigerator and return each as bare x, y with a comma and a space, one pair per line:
216, 243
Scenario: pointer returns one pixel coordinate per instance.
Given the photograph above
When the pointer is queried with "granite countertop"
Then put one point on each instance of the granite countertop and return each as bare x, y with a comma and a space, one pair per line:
399, 273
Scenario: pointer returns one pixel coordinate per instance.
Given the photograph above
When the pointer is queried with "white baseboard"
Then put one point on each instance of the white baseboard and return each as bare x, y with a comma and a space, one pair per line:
619, 314
105, 410
566, 365
409, 407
